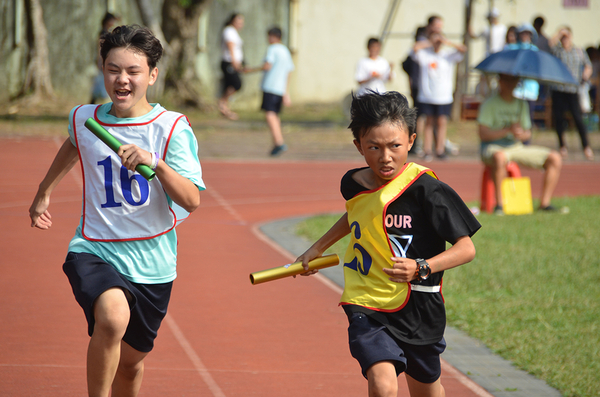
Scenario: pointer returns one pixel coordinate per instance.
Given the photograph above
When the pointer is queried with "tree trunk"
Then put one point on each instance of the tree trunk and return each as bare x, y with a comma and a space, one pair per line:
179, 36
180, 25
37, 78
150, 21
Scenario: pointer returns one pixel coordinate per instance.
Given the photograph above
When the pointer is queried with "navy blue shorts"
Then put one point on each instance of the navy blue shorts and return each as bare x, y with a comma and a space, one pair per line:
371, 342
430, 109
271, 102
90, 276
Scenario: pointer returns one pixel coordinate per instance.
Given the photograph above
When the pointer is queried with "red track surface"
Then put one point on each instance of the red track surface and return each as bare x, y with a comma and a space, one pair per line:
223, 336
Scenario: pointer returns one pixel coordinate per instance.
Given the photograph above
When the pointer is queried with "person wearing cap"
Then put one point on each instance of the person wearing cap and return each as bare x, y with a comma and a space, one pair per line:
526, 89
526, 36
495, 34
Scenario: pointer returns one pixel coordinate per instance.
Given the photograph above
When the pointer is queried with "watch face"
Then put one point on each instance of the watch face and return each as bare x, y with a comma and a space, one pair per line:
424, 270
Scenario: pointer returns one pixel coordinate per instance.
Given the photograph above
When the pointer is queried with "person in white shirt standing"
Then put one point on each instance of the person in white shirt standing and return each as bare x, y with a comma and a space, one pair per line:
436, 66
374, 71
231, 62
494, 34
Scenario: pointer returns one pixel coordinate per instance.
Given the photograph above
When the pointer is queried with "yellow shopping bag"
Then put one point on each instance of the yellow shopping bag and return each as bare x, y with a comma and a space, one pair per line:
516, 196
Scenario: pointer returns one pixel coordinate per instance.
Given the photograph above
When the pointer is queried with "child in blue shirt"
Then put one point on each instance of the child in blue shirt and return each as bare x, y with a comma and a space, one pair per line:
277, 67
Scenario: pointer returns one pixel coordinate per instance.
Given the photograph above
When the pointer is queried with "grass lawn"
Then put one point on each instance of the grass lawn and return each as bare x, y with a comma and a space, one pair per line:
532, 294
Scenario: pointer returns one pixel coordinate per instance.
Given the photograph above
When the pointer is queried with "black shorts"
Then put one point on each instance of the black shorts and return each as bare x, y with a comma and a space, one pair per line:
90, 276
271, 102
231, 77
430, 109
371, 342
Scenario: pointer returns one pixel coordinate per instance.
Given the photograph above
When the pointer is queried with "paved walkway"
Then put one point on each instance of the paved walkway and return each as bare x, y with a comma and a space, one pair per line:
223, 336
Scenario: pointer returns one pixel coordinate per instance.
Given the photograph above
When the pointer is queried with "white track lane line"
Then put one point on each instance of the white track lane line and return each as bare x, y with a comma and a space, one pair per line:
222, 202
180, 337
191, 353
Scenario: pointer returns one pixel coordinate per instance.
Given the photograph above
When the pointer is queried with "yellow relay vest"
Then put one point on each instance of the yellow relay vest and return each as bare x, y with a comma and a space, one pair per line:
370, 248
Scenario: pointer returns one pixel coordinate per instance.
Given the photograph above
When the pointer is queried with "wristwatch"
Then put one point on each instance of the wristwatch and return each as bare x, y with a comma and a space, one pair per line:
423, 269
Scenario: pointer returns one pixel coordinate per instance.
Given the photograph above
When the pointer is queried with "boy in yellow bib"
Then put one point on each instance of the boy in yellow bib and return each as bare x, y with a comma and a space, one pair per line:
399, 217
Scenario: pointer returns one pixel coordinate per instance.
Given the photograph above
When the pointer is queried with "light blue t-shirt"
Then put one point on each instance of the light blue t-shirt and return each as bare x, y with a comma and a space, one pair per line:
151, 261
275, 79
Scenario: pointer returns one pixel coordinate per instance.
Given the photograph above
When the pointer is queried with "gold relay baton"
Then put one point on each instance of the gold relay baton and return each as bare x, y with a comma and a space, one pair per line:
293, 269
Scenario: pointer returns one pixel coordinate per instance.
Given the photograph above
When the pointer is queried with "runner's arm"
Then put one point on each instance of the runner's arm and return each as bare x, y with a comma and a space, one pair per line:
180, 189
65, 159
183, 191
404, 269
339, 230
421, 45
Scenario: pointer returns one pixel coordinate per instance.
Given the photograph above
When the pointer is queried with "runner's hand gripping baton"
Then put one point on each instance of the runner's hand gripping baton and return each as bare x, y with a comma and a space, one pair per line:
293, 269
114, 144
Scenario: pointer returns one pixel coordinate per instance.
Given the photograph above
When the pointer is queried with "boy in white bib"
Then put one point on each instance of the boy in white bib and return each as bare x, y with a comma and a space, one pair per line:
122, 260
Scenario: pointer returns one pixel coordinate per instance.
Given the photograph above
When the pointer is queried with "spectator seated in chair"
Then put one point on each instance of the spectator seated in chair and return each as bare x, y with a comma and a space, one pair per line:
504, 124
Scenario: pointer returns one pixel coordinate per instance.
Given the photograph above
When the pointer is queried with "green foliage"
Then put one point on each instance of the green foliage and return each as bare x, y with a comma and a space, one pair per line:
532, 294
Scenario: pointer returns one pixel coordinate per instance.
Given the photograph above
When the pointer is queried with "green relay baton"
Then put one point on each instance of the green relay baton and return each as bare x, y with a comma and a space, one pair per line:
114, 144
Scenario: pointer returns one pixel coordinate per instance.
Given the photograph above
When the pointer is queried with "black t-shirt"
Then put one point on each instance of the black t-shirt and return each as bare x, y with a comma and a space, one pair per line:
437, 214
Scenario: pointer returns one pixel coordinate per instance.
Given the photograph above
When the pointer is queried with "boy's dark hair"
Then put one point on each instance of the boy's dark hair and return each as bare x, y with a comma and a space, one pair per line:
135, 37
374, 109
538, 22
372, 40
275, 31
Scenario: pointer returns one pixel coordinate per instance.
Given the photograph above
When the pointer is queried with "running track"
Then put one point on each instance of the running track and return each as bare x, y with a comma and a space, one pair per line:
223, 336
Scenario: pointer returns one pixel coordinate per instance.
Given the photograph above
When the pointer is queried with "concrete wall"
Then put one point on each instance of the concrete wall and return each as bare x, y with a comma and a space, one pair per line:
332, 36
329, 37
326, 38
